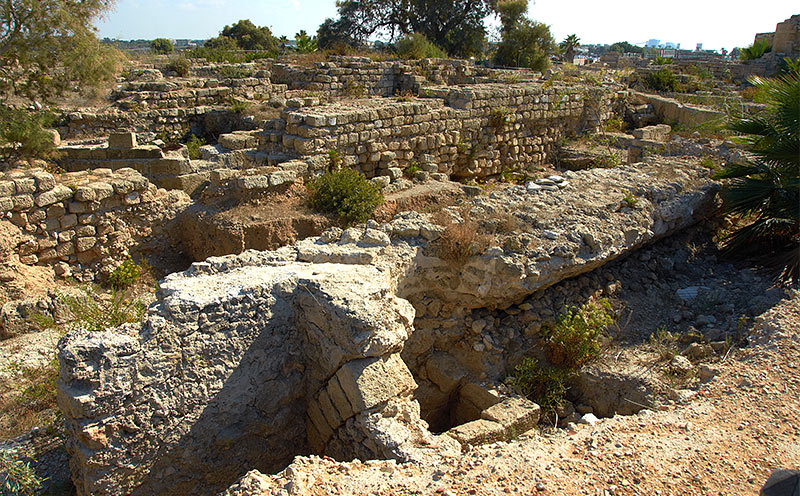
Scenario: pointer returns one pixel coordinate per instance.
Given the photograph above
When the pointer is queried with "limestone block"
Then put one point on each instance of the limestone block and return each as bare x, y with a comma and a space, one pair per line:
236, 141
478, 396
69, 220
370, 381
282, 177
252, 183
22, 202
44, 180
102, 190
339, 399
7, 188
478, 432
517, 415
85, 193
328, 410
122, 140
445, 371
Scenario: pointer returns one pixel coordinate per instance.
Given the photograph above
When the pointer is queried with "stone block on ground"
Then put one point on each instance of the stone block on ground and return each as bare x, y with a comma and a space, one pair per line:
368, 382
517, 415
478, 432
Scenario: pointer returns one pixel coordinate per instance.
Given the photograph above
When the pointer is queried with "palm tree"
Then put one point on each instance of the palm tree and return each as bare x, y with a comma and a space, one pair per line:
568, 47
767, 188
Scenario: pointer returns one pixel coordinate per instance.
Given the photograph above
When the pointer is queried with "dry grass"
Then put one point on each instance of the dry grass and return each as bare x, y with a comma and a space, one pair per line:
30, 401
460, 240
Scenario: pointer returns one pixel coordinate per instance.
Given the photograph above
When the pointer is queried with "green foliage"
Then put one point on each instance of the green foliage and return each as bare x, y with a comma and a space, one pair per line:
221, 43
246, 36
766, 191
180, 65
46, 46
161, 46
575, 338
238, 106
23, 135
230, 56
411, 170
789, 66
498, 117
568, 47
630, 199
416, 46
547, 386
662, 80
346, 193
193, 144
625, 47
662, 60
334, 159
17, 477
96, 314
755, 51
235, 72
527, 44
305, 43
456, 27
127, 273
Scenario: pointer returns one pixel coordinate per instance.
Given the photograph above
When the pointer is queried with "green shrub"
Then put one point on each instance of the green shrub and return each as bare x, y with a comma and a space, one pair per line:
346, 193
334, 159
526, 44
546, 386
663, 60
181, 66
662, 80
125, 275
575, 339
235, 72
755, 51
417, 46
17, 477
664, 343
411, 170
630, 199
97, 314
232, 56
161, 46
193, 144
23, 134
239, 106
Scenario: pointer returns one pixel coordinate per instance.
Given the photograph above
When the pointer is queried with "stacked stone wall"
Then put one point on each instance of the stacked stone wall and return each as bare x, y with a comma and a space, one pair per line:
476, 131
86, 220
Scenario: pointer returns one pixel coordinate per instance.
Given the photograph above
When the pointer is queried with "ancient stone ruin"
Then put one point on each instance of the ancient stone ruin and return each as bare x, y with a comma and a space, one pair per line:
279, 334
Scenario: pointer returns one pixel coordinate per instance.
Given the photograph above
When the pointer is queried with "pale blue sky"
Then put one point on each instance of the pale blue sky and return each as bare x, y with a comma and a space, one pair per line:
715, 23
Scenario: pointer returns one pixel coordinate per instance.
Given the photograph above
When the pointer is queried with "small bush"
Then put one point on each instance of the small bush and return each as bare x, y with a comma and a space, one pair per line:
231, 56
161, 46
411, 170
755, 51
575, 339
17, 477
346, 193
96, 315
125, 275
181, 66
630, 199
236, 72
662, 80
334, 160
663, 60
546, 386
23, 134
417, 46
193, 144
239, 106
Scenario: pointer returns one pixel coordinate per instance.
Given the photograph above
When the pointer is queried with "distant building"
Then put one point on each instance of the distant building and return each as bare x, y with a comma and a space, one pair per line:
669, 44
653, 43
699, 47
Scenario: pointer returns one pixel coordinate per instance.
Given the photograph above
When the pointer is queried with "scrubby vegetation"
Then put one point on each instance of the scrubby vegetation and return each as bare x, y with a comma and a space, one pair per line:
417, 46
127, 273
346, 193
17, 477
764, 194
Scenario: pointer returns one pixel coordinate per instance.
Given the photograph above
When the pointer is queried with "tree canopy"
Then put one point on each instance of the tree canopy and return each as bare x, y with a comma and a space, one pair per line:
526, 43
46, 46
625, 47
454, 25
244, 35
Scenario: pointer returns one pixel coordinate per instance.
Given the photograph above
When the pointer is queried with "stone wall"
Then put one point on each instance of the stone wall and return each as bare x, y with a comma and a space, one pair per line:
84, 222
476, 131
248, 360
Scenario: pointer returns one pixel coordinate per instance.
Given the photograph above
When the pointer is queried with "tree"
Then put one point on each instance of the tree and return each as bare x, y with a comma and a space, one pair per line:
568, 47
417, 46
625, 47
766, 190
245, 36
526, 43
47, 47
305, 43
454, 25
161, 46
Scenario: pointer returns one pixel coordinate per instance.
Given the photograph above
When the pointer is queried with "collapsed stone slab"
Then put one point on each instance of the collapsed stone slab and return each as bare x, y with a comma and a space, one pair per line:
248, 360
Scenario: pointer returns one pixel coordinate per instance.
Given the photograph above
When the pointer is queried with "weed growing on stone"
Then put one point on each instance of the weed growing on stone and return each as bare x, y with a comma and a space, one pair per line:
460, 240
180, 66
346, 193
575, 338
96, 314
664, 343
411, 170
239, 106
17, 477
193, 145
125, 275
335, 160
498, 118
630, 200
